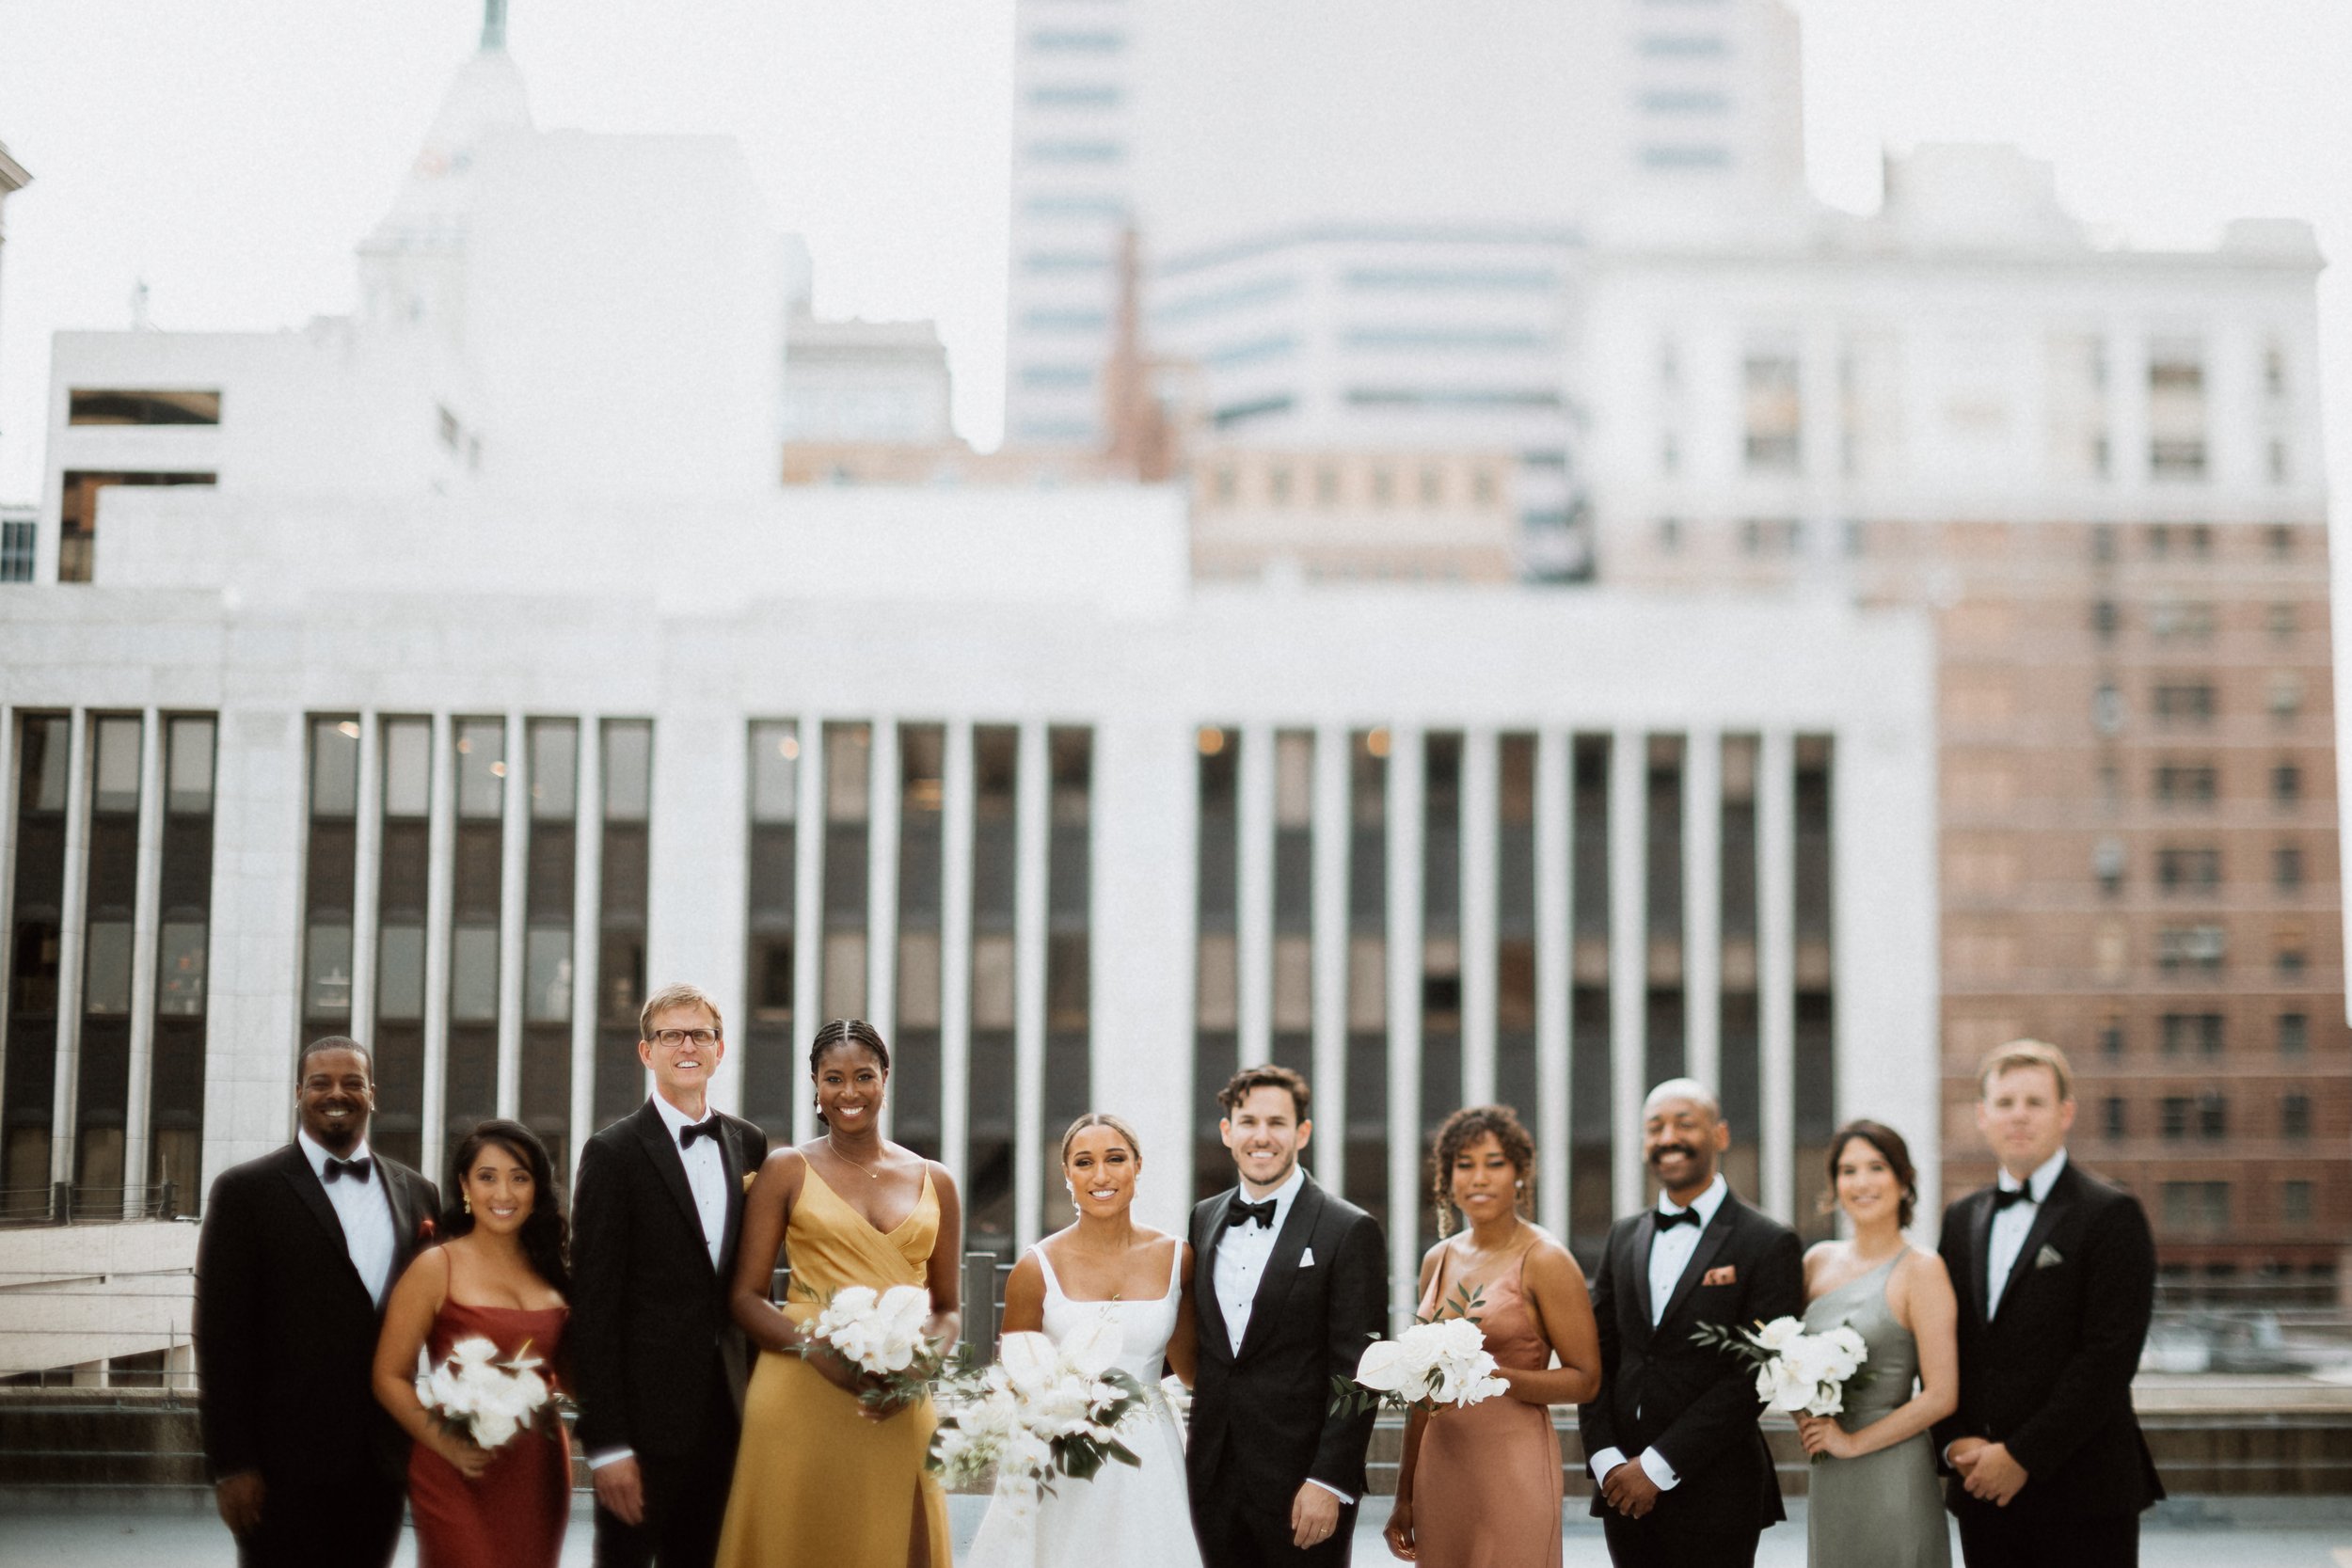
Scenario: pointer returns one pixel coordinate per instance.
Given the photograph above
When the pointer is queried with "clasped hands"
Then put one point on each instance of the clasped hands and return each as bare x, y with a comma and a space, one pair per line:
1629, 1491
1988, 1471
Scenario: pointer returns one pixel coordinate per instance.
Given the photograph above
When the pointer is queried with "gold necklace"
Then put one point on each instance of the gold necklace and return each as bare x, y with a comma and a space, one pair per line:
870, 1175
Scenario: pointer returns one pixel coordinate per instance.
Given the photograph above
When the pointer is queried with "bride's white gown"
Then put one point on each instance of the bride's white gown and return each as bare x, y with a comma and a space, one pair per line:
1139, 1517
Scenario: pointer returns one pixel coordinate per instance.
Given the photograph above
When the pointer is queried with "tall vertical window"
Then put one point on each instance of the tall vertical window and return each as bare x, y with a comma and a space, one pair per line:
1515, 926
917, 1070
1293, 900
330, 901
1217, 983
1662, 859
175, 1112
1589, 1133
1069, 949
102, 1091
2176, 409
550, 878
848, 777
1773, 413
1740, 1076
400, 902
1816, 1000
627, 776
43, 744
770, 1080
1440, 939
996, 861
470, 1087
1366, 1168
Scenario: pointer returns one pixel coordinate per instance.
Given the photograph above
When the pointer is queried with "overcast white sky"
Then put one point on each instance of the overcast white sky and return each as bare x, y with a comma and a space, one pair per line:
230, 155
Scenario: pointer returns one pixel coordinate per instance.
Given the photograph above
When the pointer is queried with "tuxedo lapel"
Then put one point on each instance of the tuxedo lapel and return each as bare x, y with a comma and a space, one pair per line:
661, 1149
1214, 1333
403, 1207
1633, 1265
296, 1167
1980, 1254
2047, 1217
1712, 1242
730, 1161
1282, 1266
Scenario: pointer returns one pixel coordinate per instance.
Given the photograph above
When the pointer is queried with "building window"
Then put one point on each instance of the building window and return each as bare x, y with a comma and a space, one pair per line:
2295, 1114
990, 1099
2111, 1037
2175, 1109
2294, 1203
78, 519
2198, 1034
2279, 619
1068, 948
770, 1076
1769, 538
330, 878
1056, 40
1774, 413
2286, 698
2291, 960
2187, 783
2286, 868
848, 768
2213, 1118
101, 405
2294, 1034
2106, 864
2196, 1206
2186, 702
2176, 410
2106, 620
404, 764
1684, 46
470, 1083
2280, 537
16, 550
622, 913
2182, 620
550, 876
2189, 870
2106, 709
2199, 947
2102, 542
2286, 785
922, 913
2112, 1118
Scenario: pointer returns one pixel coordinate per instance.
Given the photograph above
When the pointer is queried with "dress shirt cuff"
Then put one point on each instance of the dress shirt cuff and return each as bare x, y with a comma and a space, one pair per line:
1334, 1490
1662, 1474
599, 1458
1604, 1461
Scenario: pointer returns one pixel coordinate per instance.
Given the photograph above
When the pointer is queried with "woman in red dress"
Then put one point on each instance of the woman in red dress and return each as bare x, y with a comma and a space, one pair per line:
498, 1275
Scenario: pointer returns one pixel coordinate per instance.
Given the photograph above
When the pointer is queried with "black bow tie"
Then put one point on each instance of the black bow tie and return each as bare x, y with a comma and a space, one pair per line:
2004, 1196
1242, 1213
359, 1170
1685, 1216
707, 1128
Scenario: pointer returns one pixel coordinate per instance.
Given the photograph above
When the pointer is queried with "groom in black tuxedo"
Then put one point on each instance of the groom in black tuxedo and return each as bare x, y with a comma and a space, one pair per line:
659, 1364
2056, 1275
1297, 1281
300, 1248
1672, 1437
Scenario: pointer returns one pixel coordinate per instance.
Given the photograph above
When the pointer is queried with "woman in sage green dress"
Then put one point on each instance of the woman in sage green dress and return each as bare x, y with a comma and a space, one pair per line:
1874, 1499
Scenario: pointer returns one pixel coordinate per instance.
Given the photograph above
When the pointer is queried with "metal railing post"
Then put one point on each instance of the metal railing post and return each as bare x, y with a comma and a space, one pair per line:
61, 1203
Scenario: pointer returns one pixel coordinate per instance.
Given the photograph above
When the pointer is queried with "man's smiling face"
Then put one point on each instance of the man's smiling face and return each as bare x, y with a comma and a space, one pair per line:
1264, 1133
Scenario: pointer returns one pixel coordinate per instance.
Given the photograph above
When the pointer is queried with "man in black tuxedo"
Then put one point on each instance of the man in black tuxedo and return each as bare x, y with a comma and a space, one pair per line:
1672, 1437
2057, 1276
299, 1250
659, 1364
1295, 1284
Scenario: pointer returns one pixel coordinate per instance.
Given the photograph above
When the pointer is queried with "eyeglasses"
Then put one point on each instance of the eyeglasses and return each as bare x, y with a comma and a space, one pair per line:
678, 1039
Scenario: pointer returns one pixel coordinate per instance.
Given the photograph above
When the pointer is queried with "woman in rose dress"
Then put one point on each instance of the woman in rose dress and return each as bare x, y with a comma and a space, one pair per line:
498, 1274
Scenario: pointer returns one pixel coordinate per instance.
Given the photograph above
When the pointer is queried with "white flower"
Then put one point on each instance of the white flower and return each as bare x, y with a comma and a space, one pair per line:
880, 1334
1778, 1335
1445, 1362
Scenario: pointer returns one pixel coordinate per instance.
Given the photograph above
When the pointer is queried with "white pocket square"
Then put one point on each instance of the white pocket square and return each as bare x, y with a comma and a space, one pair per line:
2047, 1258
1307, 1258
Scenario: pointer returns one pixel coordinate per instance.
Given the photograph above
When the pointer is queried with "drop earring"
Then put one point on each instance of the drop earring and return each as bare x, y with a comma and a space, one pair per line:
469, 1203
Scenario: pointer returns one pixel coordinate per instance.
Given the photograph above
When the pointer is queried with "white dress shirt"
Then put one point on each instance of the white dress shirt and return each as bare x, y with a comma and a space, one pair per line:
2011, 1225
1242, 1255
706, 1178
363, 1209
1668, 1255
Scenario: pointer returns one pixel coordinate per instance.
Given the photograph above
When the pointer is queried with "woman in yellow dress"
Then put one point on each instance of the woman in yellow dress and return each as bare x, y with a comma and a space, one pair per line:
820, 1478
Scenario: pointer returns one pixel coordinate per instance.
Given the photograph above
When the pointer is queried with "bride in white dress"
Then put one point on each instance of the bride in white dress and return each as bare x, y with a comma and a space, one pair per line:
1105, 1263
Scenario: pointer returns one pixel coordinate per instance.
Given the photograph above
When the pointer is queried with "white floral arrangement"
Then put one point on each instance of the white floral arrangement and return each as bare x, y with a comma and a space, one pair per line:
1796, 1372
481, 1398
884, 1335
1441, 1361
1043, 1411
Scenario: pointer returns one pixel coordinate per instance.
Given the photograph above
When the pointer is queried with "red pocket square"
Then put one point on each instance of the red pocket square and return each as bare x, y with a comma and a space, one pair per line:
1724, 1275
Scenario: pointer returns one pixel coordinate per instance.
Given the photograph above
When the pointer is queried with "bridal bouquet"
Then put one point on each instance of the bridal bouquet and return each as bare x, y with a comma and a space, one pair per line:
883, 1335
480, 1397
1043, 1409
1800, 1373
1440, 1360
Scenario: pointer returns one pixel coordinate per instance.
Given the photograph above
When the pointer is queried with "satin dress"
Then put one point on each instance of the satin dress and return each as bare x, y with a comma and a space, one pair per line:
514, 1515
1884, 1509
1487, 1487
816, 1481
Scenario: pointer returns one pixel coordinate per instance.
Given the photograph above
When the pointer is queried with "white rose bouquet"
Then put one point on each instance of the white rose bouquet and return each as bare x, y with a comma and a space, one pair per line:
884, 1335
1043, 1411
1440, 1360
1796, 1372
481, 1398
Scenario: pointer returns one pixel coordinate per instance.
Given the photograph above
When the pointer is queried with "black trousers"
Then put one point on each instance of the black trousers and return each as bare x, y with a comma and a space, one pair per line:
1681, 1538
351, 1522
2003, 1538
686, 1498
1238, 1531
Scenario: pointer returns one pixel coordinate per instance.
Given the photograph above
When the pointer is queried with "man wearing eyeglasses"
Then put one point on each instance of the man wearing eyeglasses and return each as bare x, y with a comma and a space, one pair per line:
659, 1364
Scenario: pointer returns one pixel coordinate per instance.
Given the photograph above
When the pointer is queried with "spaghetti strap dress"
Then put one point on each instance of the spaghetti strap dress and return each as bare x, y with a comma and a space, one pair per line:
513, 1516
